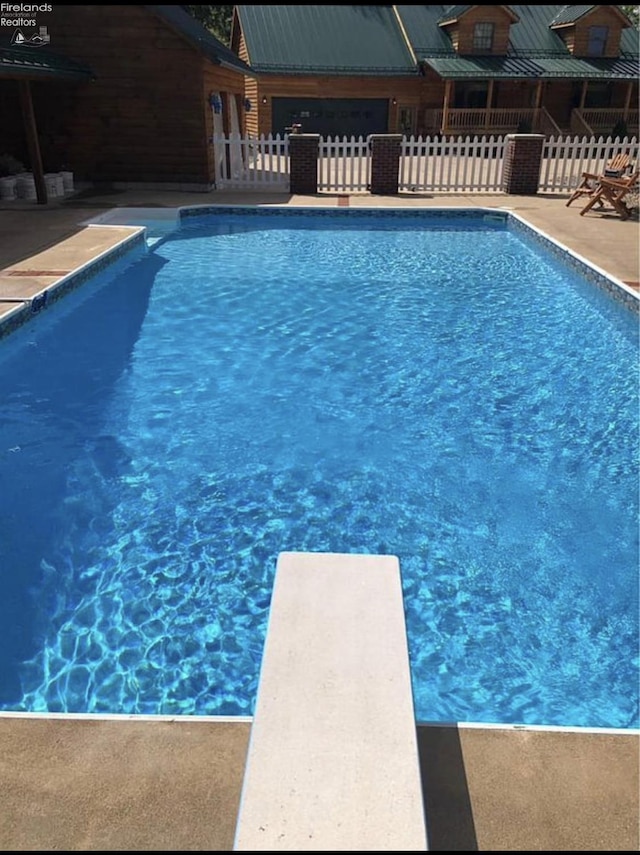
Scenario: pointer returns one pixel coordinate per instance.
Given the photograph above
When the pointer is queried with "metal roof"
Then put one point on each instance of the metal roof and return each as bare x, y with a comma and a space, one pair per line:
453, 13
484, 67
514, 68
622, 68
331, 40
211, 47
34, 63
529, 35
570, 14
367, 40
530, 39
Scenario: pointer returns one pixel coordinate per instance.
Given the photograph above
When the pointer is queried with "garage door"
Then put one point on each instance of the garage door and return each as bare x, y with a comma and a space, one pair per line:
331, 116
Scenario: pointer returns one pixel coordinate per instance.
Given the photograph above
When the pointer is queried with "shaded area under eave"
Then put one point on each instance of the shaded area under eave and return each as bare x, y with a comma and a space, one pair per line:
24, 64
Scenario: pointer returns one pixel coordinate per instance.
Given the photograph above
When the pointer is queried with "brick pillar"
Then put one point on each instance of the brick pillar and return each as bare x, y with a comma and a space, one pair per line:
522, 163
303, 163
385, 163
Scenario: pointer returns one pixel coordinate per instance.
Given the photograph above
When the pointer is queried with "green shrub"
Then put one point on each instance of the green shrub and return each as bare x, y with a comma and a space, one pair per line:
620, 130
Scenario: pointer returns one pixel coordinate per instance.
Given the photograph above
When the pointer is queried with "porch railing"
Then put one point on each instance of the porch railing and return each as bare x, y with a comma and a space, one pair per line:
603, 121
491, 121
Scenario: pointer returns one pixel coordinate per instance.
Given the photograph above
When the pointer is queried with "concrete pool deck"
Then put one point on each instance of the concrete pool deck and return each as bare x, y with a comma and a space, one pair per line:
85, 783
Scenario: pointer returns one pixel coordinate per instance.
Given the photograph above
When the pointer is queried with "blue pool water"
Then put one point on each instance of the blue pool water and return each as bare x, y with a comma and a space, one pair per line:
437, 388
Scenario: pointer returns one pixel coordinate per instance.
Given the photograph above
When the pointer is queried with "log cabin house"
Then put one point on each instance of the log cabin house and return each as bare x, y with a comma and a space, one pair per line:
121, 95
356, 70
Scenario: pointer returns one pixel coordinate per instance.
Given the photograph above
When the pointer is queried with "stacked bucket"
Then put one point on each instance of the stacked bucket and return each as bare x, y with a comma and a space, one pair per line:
23, 186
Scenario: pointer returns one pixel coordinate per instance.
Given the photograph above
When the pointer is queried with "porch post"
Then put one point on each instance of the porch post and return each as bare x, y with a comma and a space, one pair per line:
583, 94
487, 109
445, 106
539, 94
627, 100
33, 144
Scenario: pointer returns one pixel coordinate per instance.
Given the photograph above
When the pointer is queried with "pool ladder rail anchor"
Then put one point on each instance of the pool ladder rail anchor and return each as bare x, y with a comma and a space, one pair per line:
37, 303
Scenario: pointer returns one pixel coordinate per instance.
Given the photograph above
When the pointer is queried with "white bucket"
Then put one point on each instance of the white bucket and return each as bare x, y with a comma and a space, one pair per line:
53, 183
26, 186
67, 181
8, 187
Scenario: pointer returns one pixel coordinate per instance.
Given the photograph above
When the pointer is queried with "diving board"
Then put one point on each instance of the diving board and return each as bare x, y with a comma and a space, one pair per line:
332, 762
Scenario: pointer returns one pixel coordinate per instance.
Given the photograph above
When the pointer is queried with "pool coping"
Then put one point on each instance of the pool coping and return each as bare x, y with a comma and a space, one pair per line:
236, 719
27, 307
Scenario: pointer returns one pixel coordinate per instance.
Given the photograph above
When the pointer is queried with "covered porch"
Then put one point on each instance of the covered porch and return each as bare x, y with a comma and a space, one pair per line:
500, 95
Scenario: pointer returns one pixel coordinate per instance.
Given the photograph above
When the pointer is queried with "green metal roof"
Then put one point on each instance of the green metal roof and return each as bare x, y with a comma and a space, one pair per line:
331, 40
527, 68
623, 68
484, 67
204, 41
535, 50
31, 63
366, 40
570, 14
453, 13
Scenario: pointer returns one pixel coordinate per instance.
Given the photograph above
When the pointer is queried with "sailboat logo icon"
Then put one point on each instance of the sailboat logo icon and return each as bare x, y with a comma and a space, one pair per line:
42, 37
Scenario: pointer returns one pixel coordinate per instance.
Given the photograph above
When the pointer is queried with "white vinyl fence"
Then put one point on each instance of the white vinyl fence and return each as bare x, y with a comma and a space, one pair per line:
451, 164
564, 159
254, 163
343, 164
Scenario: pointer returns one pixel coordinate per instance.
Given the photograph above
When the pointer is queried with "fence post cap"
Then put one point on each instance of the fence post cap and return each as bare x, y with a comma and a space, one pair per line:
525, 136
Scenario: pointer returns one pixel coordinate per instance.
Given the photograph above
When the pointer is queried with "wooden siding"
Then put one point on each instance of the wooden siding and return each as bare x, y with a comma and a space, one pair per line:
461, 33
12, 135
230, 85
144, 117
602, 16
558, 99
251, 91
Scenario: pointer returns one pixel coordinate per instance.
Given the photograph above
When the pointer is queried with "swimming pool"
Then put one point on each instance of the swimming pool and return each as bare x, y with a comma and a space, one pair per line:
439, 386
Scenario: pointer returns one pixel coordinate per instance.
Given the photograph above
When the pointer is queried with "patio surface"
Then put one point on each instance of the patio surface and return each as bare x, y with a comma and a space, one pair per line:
134, 783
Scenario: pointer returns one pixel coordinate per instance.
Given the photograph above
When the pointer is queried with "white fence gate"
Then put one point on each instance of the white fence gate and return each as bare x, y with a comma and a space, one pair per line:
254, 163
343, 164
451, 164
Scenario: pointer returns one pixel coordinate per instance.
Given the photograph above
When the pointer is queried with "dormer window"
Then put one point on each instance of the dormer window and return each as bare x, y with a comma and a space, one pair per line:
483, 37
597, 41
